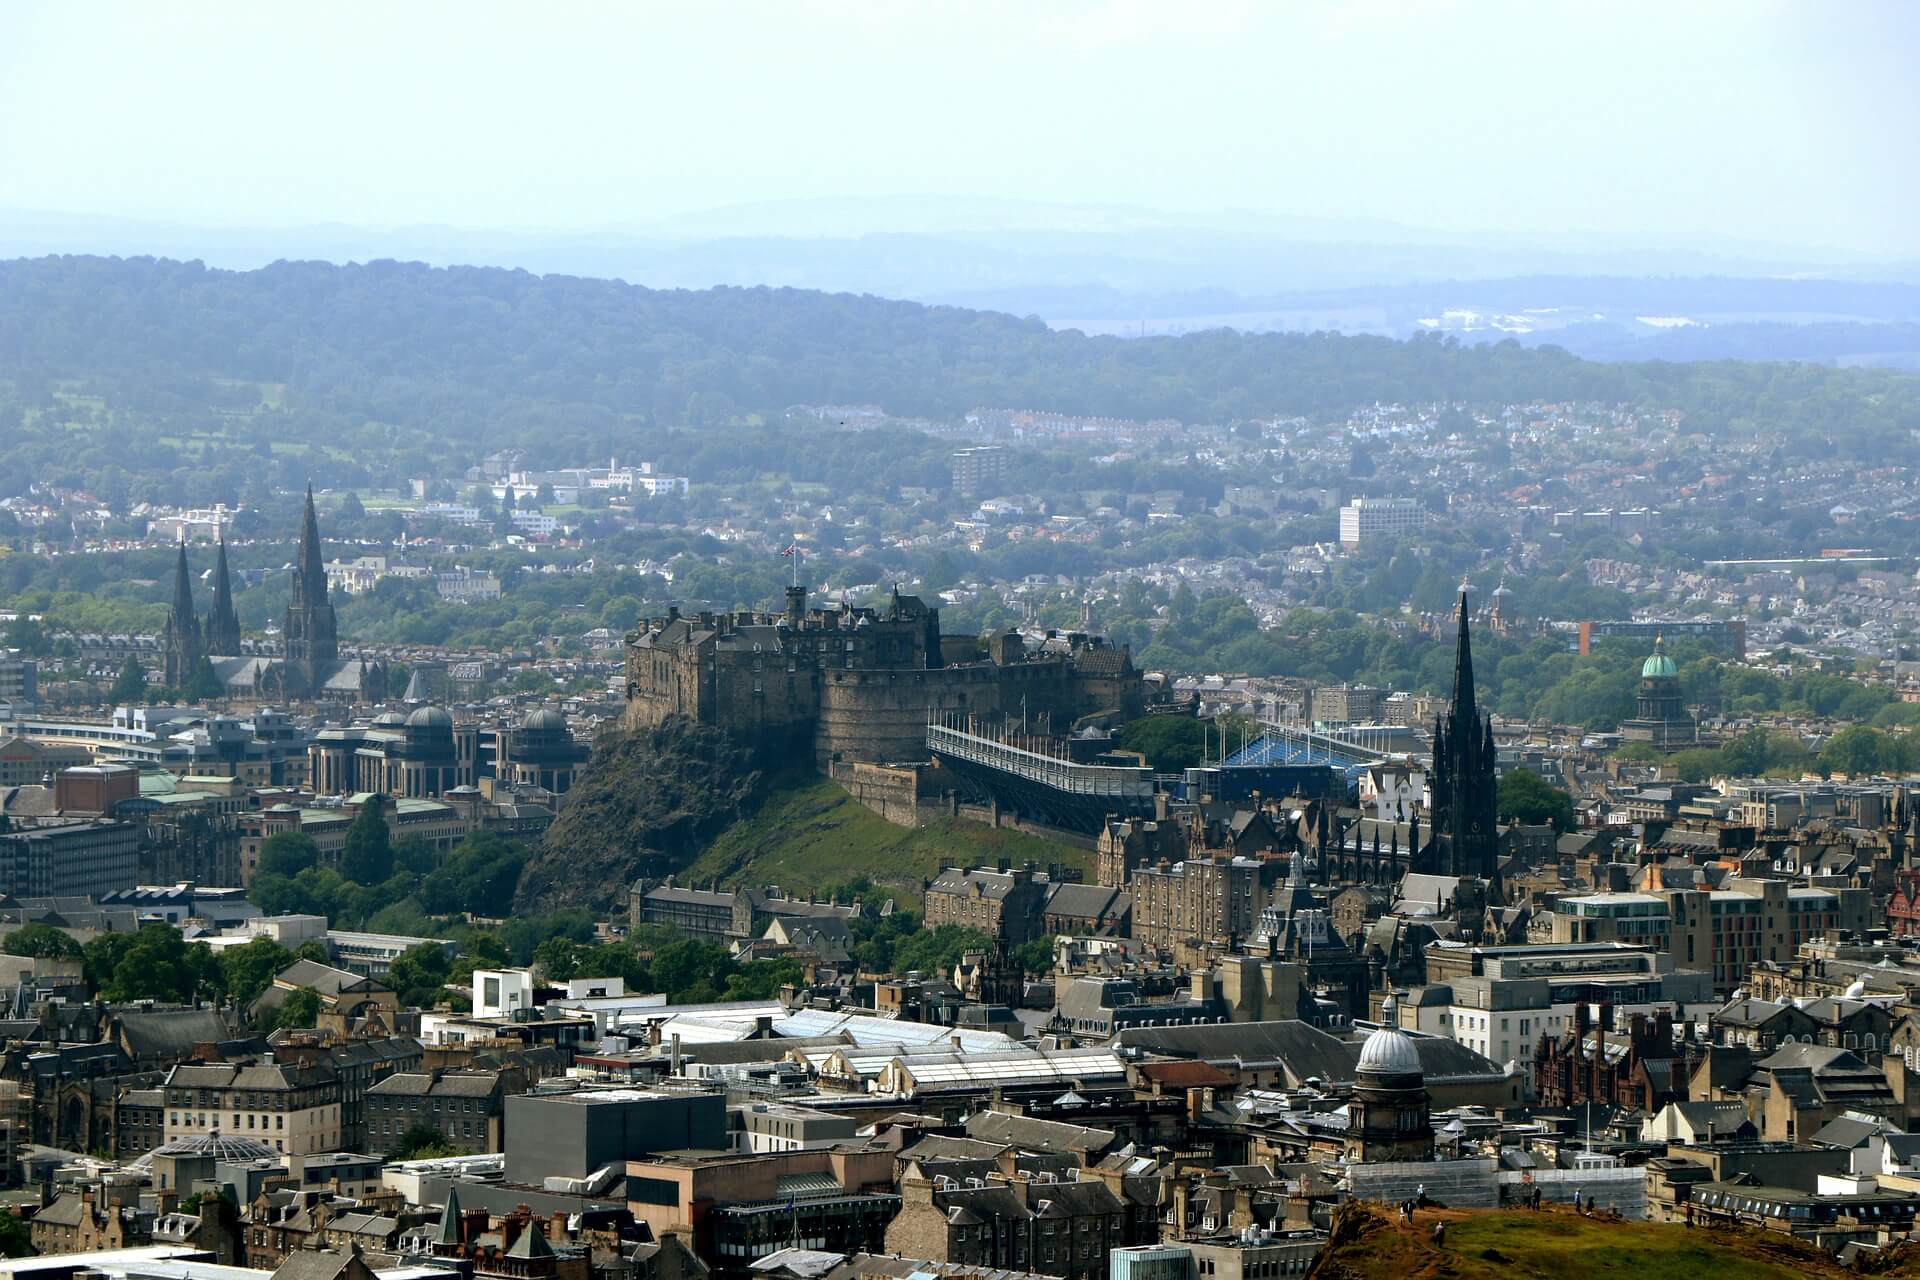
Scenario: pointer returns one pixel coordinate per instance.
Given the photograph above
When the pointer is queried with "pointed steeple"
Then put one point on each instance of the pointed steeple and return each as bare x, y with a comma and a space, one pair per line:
222, 633
310, 570
1463, 700
448, 1232
181, 640
182, 586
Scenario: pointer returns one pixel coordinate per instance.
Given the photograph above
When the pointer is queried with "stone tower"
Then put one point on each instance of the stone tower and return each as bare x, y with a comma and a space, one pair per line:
1465, 839
181, 639
1390, 1116
221, 634
313, 645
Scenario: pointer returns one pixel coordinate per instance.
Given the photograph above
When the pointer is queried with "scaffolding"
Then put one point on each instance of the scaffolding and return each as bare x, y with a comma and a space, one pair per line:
1454, 1184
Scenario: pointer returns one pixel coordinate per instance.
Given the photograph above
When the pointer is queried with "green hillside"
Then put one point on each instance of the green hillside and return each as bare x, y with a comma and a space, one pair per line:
1368, 1244
808, 833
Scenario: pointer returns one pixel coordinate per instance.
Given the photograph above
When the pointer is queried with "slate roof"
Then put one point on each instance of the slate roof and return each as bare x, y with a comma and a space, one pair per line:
171, 1033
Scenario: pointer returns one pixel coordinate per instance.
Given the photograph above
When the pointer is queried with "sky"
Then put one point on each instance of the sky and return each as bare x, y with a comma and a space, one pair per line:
1762, 121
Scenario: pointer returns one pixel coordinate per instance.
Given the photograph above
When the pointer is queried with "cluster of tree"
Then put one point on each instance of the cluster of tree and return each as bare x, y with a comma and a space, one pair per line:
157, 963
688, 970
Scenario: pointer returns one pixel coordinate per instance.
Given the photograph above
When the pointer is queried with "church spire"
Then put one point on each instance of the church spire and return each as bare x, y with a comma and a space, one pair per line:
1464, 708
181, 641
309, 570
223, 624
182, 586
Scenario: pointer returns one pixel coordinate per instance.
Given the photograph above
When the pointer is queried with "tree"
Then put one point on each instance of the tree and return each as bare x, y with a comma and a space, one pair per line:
250, 969
416, 854
1525, 795
287, 853
161, 966
422, 1141
102, 956
937, 950
43, 942
300, 1009
367, 857
16, 1241
558, 958
130, 686
351, 508
315, 950
1035, 955
418, 973
203, 685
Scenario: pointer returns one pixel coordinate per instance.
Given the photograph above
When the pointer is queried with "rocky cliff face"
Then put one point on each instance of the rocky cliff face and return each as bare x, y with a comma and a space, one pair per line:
647, 804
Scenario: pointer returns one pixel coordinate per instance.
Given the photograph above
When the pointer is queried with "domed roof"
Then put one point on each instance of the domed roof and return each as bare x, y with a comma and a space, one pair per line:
544, 718
217, 1146
1856, 989
389, 720
1389, 1051
1659, 666
430, 718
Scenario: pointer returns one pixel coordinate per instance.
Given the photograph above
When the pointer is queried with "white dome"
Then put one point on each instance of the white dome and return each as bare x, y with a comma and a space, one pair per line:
1857, 989
1390, 1052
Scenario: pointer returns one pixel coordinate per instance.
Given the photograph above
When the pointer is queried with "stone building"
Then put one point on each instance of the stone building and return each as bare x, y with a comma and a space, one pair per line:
1660, 712
1038, 1223
1390, 1114
1127, 843
1006, 904
1197, 903
861, 684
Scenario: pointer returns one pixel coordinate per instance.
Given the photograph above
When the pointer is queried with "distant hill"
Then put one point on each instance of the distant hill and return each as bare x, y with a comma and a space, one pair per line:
370, 373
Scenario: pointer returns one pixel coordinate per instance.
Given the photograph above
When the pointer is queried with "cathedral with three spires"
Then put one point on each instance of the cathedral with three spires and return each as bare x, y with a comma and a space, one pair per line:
308, 667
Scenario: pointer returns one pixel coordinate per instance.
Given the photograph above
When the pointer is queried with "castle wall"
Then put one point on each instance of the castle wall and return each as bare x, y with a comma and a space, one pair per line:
881, 716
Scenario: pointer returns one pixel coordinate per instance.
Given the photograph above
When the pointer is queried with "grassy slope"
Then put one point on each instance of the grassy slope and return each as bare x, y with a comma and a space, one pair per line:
1557, 1243
809, 833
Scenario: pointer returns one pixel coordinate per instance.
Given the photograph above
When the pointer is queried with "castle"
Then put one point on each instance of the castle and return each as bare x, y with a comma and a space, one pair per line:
310, 667
861, 684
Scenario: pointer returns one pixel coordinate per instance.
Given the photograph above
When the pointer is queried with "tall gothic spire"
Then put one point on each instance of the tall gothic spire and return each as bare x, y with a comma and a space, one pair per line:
1464, 707
310, 570
182, 587
312, 640
181, 641
222, 634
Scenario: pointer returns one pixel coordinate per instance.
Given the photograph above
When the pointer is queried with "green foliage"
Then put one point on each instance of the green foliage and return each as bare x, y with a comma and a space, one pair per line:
248, 970
43, 942
477, 877
161, 966
315, 950
287, 853
16, 1240
418, 974
130, 686
203, 683
422, 1141
1525, 795
1170, 743
415, 854
1035, 955
367, 857
101, 957
1860, 750
938, 950
299, 1010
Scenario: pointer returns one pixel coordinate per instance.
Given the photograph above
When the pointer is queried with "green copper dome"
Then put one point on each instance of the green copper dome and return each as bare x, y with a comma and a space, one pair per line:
1659, 666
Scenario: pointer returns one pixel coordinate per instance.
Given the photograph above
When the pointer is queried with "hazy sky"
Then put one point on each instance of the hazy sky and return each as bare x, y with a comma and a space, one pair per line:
1793, 123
